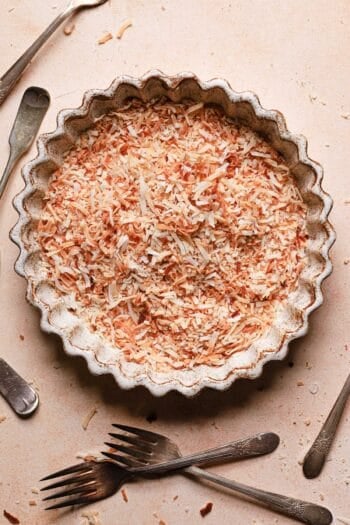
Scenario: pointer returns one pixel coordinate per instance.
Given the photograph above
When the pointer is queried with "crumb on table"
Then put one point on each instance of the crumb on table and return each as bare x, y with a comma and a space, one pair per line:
125, 495
206, 509
11, 518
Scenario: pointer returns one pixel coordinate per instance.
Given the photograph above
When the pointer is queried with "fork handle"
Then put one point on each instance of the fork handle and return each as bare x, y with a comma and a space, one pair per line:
244, 448
12, 75
300, 510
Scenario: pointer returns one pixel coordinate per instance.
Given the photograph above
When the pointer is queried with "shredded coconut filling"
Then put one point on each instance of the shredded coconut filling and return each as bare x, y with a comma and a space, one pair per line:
177, 232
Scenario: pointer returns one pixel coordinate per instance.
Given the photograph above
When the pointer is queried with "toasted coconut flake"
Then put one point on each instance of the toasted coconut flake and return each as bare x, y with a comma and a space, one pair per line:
104, 38
86, 421
125, 495
68, 29
176, 232
91, 517
195, 107
125, 25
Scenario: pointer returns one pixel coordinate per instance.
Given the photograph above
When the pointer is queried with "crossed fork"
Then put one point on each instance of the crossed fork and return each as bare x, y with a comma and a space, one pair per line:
142, 453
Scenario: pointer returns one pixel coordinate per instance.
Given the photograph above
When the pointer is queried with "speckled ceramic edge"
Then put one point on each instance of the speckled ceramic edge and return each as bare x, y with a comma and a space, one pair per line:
101, 357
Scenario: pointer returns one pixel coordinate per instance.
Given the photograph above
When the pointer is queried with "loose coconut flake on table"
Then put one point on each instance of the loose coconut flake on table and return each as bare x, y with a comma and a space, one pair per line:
124, 26
88, 456
91, 517
175, 233
105, 38
68, 29
86, 420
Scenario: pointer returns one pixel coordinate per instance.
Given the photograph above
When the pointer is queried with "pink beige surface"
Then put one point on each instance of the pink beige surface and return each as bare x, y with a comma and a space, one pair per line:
293, 55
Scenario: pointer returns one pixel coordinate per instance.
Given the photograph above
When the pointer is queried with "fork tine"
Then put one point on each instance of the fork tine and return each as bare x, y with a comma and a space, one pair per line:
109, 455
83, 490
80, 467
69, 481
130, 451
138, 442
125, 460
115, 457
68, 503
146, 434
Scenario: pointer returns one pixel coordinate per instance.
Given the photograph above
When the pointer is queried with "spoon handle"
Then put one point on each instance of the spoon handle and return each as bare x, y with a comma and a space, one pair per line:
12, 75
300, 510
7, 171
31, 111
316, 457
19, 395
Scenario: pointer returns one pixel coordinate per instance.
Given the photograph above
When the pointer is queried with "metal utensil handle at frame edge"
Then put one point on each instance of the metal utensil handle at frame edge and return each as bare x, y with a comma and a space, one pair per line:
318, 452
303, 511
14, 73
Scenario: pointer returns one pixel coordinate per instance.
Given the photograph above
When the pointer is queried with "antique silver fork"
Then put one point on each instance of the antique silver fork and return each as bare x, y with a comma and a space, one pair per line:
95, 480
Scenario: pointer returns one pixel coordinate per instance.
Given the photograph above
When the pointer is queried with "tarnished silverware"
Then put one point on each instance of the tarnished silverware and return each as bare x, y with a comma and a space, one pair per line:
20, 396
95, 480
11, 77
138, 454
316, 457
149, 448
107, 477
31, 112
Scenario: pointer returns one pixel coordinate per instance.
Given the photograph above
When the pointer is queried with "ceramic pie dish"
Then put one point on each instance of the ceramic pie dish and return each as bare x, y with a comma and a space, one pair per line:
60, 316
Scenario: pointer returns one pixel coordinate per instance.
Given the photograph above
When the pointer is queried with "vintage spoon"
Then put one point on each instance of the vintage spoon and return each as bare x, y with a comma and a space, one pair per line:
316, 457
10, 78
20, 396
31, 112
